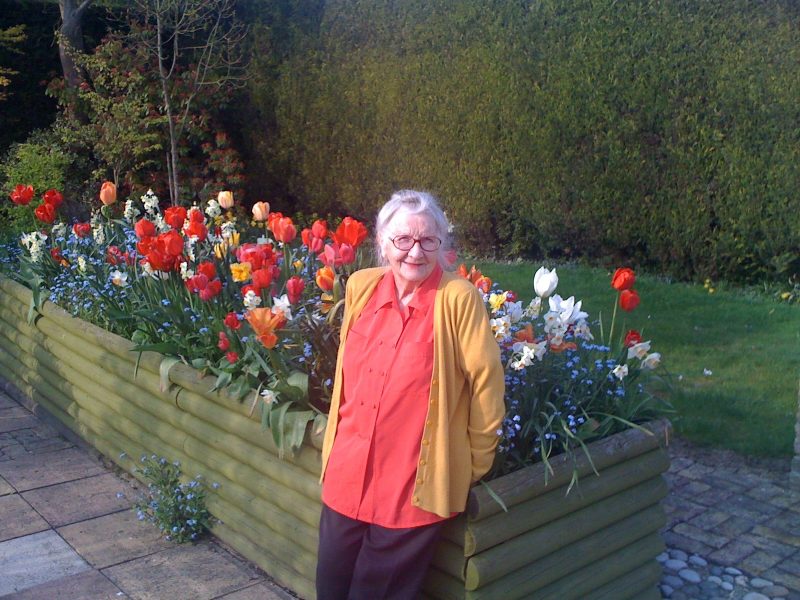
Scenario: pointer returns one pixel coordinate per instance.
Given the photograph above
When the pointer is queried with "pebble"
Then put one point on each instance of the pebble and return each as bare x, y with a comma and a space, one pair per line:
698, 561
693, 577
690, 575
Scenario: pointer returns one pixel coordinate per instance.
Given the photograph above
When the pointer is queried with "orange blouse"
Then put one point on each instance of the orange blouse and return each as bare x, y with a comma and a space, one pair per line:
388, 363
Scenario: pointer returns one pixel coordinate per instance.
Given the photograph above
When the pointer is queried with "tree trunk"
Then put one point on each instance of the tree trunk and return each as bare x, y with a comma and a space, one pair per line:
71, 39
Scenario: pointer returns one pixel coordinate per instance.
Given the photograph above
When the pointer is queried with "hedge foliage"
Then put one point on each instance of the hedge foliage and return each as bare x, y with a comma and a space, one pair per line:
664, 133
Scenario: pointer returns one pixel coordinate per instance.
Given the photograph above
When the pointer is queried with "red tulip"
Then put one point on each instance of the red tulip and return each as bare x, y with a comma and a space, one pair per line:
144, 228
45, 213
632, 338
294, 289
283, 229
258, 255
232, 321
195, 229
623, 279
208, 269
170, 243
231, 357
22, 195
224, 343
628, 300
262, 278
175, 216
320, 229
213, 289
53, 198
82, 230
350, 231
196, 215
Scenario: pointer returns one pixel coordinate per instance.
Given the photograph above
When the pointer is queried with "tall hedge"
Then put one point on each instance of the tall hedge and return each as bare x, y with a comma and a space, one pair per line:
663, 133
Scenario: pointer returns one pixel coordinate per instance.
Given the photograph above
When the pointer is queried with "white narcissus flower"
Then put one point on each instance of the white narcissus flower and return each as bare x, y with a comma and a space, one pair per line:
545, 282
282, 304
213, 209
501, 327
186, 272
251, 300
82, 264
639, 350
652, 361
269, 396
620, 372
582, 331
534, 307
119, 278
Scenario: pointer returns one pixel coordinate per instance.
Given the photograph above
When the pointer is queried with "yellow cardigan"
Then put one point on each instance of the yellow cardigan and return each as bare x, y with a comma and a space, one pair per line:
466, 405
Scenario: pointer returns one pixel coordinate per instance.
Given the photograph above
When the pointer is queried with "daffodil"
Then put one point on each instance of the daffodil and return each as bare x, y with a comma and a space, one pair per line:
651, 361
620, 372
240, 271
639, 350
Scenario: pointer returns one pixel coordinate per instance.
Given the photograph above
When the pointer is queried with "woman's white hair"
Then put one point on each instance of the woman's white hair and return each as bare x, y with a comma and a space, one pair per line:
412, 202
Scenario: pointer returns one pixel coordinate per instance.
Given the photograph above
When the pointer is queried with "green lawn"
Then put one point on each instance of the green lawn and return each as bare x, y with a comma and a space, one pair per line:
750, 344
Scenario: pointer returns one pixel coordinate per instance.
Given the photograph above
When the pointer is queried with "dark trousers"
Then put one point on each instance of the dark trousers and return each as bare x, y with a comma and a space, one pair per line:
361, 561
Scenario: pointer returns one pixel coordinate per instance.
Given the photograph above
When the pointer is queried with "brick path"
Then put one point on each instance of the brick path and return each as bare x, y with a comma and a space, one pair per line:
67, 530
735, 511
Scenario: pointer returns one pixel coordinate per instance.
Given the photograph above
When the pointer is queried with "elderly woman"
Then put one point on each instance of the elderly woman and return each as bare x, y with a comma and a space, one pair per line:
417, 402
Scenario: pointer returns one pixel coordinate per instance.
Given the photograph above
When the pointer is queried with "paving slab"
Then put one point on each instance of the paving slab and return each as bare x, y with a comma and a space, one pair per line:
200, 572
16, 417
260, 591
38, 470
74, 501
5, 487
18, 518
35, 559
114, 538
89, 584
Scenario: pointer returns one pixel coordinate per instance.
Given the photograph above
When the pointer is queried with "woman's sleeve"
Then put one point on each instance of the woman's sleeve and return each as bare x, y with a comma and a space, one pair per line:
483, 369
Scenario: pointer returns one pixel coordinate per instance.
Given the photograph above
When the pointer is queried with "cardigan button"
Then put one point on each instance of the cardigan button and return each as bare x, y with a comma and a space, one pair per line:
423, 462
425, 442
429, 423
434, 382
419, 480
415, 500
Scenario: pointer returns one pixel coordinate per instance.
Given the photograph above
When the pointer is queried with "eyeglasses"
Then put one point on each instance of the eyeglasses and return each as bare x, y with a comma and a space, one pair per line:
406, 242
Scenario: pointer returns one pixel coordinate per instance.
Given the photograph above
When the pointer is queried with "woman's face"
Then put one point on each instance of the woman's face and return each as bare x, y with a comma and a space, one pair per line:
410, 267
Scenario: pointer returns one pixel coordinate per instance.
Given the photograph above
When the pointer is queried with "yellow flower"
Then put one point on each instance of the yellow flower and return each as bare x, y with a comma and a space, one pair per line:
786, 295
298, 265
496, 301
240, 271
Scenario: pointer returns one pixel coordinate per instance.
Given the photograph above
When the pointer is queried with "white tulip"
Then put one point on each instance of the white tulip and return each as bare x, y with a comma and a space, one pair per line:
545, 282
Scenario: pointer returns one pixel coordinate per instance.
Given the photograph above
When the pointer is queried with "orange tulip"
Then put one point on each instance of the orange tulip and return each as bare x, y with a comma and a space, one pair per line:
484, 284
261, 211
264, 323
325, 278
525, 335
108, 193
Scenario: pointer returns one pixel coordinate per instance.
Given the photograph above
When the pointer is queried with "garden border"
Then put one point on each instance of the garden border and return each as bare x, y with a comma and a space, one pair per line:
600, 541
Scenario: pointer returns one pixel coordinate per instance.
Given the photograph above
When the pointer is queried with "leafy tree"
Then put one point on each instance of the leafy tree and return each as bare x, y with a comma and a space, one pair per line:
197, 46
9, 39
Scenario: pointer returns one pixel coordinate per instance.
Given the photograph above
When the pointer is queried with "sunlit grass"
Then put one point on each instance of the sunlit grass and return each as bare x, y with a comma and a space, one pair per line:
734, 357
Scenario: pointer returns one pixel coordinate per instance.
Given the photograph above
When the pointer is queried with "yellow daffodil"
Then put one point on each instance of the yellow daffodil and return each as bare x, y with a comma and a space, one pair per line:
496, 301
240, 271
